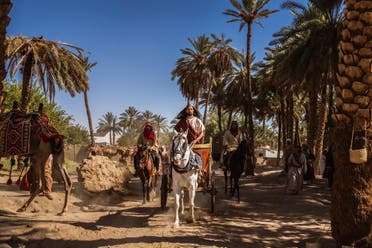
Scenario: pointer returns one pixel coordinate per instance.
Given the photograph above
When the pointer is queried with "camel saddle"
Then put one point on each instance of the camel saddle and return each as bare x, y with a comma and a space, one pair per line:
15, 131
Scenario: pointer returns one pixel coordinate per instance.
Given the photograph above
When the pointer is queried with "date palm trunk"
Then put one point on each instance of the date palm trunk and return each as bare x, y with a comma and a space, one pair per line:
26, 83
250, 167
5, 7
351, 209
87, 108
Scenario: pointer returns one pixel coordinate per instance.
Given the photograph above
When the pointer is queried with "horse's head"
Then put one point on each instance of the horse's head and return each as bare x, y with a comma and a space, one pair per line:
180, 149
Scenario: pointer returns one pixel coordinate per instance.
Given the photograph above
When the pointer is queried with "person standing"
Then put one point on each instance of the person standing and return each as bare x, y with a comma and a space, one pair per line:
296, 167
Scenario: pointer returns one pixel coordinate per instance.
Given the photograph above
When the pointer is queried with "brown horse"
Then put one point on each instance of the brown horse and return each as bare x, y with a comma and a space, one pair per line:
146, 172
43, 141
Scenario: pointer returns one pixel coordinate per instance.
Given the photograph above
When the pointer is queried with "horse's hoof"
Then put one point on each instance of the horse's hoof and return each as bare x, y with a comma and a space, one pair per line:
176, 225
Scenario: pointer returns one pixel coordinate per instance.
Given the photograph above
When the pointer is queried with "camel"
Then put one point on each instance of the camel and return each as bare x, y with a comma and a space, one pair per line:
43, 141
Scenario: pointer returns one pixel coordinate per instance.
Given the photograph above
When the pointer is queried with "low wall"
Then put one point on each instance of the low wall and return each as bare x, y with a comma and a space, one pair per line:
76, 153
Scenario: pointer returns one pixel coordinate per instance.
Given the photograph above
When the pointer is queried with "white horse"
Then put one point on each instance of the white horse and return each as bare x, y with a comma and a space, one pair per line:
185, 176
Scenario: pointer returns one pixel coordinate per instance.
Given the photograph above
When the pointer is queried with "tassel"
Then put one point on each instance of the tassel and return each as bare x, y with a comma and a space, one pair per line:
20, 175
12, 163
26, 184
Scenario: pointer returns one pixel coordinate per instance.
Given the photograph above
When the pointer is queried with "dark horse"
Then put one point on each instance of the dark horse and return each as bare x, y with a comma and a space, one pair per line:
146, 172
235, 164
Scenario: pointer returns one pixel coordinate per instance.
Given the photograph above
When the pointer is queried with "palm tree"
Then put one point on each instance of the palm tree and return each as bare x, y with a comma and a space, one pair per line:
88, 66
160, 124
220, 61
247, 13
351, 210
52, 62
129, 118
192, 70
106, 125
147, 115
5, 7
313, 34
115, 129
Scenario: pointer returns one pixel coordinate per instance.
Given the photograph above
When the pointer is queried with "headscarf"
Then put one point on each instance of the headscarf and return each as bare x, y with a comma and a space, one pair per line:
183, 113
234, 130
148, 131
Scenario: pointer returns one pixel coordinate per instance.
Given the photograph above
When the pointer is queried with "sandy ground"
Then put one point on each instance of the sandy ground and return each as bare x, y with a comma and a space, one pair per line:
265, 217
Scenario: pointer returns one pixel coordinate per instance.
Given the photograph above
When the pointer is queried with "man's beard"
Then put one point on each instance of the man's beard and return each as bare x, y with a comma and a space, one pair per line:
189, 114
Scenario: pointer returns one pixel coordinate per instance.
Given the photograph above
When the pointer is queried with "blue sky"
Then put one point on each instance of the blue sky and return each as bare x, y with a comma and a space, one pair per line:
136, 45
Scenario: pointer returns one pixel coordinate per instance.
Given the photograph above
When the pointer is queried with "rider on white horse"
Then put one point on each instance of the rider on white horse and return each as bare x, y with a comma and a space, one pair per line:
186, 163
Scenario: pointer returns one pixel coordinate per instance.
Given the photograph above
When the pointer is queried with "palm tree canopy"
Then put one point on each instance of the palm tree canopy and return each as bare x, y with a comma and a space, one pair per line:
106, 123
53, 63
249, 11
192, 69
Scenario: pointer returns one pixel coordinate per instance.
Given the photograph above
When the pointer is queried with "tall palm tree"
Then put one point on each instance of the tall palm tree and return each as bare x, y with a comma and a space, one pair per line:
106, 125
115, 129
192, 70
88, 66
5, 7
52, 62
247, 13
351, 210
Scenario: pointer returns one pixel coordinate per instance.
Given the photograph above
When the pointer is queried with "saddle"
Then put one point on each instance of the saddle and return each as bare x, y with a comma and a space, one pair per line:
15, 132
15, 128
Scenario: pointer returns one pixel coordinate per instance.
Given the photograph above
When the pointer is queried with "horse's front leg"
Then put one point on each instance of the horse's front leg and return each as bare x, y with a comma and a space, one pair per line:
182, 203
177, 192
237, 188
192, 192
155, 184
232, 185
143, 180
148, 188
225, 174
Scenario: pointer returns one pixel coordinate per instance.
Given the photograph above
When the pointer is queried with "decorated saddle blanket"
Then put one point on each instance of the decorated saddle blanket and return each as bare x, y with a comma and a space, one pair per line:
16, 129
14, 135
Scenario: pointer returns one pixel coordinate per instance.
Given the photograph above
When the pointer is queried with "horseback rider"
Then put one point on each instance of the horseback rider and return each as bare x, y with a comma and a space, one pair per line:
231, 140
147, 138
189, 119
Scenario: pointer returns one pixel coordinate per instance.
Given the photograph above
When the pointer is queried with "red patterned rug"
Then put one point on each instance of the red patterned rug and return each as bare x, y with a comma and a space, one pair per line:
15, 136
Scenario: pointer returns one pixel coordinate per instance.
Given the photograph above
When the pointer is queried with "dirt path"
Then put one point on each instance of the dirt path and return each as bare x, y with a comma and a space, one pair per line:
266, 217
